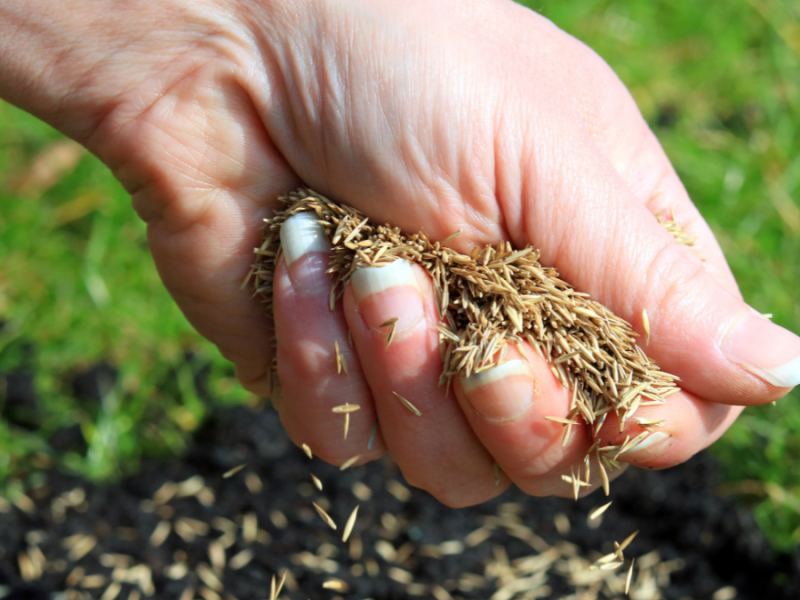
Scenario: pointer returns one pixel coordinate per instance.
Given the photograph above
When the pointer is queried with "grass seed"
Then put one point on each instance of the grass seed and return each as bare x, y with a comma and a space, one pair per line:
408, 405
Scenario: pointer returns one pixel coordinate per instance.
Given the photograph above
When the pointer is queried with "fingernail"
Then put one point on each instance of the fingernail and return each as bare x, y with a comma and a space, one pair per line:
386, 293
653, 446
305, 252
764, 349
500, 394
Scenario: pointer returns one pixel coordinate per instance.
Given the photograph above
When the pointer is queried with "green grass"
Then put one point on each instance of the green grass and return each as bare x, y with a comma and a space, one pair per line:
77, 286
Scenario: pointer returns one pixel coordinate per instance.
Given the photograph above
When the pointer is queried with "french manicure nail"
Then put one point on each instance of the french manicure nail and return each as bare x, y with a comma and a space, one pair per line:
386, 293
764, 349
305, 252
502, 393
653, 446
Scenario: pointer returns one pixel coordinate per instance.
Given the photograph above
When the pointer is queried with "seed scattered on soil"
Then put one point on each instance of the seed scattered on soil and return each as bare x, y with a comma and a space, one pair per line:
336, 584
233, 471
241, 560
408, 405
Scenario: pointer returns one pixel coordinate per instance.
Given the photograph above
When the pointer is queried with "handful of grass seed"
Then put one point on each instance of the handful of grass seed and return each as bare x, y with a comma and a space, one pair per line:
494, 296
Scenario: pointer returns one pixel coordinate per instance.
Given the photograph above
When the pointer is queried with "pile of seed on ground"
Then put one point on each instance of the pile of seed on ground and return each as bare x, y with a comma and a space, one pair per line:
490, 298
181, 530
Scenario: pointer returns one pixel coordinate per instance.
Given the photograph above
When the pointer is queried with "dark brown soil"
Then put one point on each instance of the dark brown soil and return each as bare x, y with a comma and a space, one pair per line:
678, 512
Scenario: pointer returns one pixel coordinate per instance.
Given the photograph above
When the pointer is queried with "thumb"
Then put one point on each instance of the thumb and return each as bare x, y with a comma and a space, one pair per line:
606, 242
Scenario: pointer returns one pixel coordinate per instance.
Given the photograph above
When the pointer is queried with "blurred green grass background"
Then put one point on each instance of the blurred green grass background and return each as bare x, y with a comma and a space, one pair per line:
719, 85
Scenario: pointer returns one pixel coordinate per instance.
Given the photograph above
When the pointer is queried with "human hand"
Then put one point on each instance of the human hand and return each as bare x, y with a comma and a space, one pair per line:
434, 116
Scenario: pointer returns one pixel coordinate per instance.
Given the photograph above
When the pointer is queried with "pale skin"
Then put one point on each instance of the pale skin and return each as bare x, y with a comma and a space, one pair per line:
431, 115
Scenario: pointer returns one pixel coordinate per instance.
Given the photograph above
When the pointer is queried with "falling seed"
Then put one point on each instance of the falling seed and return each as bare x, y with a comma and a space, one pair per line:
598, 511
628, 540
317, 482
307, 450
346, 408
351, 521
408, 405
346, 424
233, 471
325, 516
646, 326
629, 577
496, 469
349, 462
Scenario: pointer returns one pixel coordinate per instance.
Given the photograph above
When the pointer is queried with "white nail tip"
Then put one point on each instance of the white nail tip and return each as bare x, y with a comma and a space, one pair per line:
302, 234
649, 441
512, 367
372, 280
787, 375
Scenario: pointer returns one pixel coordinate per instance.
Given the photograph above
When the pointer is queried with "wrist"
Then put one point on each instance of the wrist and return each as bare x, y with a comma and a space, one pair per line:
73, 64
